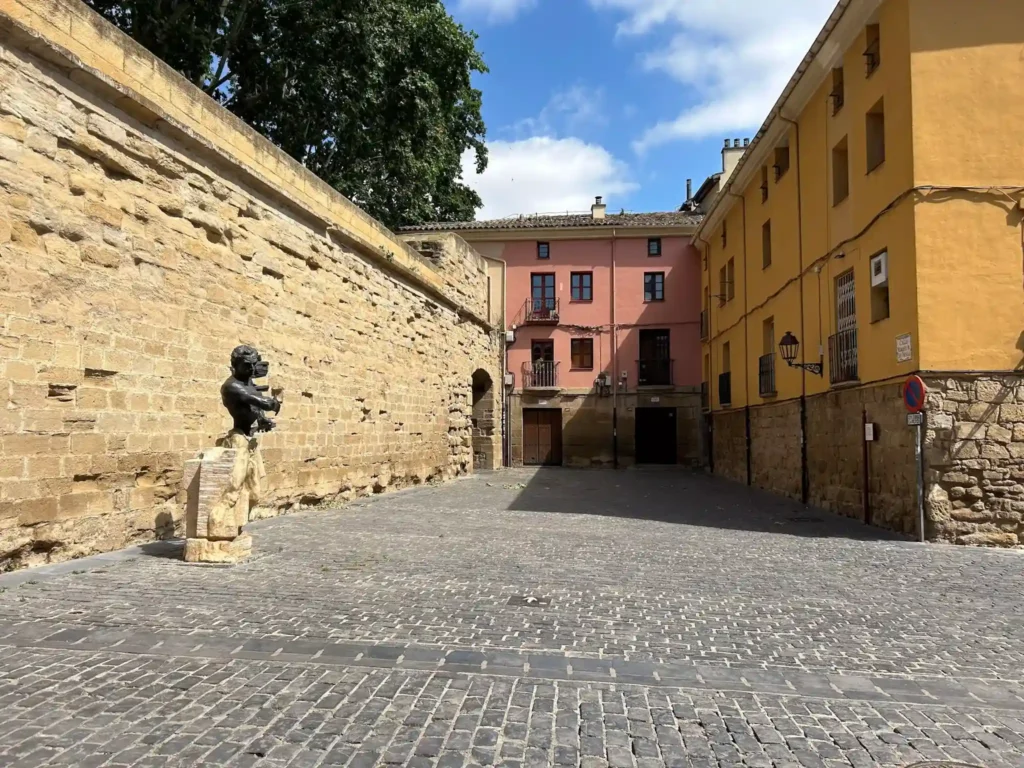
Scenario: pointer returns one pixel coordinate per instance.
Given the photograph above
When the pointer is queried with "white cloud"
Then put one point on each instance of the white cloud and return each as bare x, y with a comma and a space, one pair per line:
544, 174
495, 11
735, 56
565, 113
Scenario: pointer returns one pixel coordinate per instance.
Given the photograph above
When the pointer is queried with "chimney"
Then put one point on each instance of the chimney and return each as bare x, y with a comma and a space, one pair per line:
598, 208
731, 156
689, 190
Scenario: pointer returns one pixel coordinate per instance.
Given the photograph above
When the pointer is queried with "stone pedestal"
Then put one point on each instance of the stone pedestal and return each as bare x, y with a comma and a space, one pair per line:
223, 484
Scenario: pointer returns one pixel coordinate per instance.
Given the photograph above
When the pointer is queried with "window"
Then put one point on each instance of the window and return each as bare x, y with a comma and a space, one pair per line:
725, 358
725, 236
654, 286
873, 51
730, 276
840, 172
766, 245
768, 335
543, 305
781, 161
879, 286
875, 125
582, 354
654, 246
723, 285
543, 250
764, 184
838, 94
581, 284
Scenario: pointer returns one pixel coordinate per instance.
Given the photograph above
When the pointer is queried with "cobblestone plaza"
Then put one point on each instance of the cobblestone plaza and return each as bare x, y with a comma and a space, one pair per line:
524, 618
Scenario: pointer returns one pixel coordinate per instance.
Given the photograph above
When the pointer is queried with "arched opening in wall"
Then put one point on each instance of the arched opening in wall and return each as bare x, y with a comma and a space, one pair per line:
485, 414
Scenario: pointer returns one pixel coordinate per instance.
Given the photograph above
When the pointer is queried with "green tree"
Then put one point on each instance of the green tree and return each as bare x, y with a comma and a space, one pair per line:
373, 96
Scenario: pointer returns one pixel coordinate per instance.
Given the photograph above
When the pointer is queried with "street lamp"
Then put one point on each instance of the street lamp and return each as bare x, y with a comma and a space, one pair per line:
789, 347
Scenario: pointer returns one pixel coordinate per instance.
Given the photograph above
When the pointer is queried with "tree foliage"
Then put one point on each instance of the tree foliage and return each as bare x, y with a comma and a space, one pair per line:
373, 96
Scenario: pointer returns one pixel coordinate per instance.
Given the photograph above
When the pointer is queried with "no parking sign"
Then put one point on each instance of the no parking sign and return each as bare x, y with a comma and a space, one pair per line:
914, 394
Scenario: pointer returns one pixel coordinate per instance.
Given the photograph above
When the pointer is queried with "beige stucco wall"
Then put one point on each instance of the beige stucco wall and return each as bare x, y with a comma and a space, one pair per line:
145, 233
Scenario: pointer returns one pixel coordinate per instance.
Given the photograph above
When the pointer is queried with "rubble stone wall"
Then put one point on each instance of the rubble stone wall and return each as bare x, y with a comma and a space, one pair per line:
729, 436
775, 448
974, 459
145, 232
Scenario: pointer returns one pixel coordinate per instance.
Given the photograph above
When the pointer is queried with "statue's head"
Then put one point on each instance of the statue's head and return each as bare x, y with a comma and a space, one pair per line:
245, 362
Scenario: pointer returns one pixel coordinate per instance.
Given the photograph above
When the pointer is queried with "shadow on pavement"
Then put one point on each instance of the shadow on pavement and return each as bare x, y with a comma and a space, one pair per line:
678, 495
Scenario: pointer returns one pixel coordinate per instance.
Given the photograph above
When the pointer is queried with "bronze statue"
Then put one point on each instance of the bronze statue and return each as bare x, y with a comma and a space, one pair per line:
242, 397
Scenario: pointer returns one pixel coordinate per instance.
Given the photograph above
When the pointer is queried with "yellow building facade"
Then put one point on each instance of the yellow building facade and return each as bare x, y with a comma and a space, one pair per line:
876, 220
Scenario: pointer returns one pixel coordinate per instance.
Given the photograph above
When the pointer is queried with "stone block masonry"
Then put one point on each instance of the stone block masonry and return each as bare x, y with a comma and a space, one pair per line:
729, 436
144, 232
974, 454
775, 448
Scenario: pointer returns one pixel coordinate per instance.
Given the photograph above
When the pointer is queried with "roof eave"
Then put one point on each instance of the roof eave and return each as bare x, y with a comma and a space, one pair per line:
776, 122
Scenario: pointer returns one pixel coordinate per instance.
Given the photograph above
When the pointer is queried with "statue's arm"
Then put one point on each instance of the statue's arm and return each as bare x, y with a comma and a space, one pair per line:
252, 399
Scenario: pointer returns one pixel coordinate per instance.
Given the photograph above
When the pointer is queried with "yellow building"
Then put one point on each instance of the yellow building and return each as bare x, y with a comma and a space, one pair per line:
876, 219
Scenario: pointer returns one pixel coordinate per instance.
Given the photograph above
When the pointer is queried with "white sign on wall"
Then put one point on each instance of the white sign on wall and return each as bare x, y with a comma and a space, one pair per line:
904, 349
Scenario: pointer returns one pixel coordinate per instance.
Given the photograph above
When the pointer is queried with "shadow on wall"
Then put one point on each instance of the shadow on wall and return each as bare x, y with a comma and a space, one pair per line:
486, 412
684, 497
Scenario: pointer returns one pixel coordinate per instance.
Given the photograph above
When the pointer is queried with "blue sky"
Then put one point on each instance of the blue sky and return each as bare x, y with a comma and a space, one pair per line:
624, 98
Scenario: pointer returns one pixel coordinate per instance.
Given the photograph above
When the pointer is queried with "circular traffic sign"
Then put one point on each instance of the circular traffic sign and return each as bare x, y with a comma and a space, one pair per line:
913, 394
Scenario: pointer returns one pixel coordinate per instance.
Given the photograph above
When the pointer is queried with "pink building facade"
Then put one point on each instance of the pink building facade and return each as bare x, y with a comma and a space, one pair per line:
602, 320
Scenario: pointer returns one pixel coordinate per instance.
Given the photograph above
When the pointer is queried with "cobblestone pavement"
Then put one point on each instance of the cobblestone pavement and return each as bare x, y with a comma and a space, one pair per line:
679, 621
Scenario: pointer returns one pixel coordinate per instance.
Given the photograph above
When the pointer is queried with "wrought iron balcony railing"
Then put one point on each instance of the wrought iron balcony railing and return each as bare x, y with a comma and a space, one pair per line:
540, 374
766, 375
842, 357
725, 389
654, 373
541, 311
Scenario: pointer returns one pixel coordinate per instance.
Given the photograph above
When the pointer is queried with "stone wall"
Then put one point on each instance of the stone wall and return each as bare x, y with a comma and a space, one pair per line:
835, 456
974, 454
145, 233
729, 438
587, 426
775, 448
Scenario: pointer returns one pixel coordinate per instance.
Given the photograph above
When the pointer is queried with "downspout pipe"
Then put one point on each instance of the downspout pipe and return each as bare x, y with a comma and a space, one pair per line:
615, 368
711, 359
804, 474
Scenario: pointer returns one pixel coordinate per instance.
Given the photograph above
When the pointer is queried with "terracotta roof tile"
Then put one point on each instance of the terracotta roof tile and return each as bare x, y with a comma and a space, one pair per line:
559, 221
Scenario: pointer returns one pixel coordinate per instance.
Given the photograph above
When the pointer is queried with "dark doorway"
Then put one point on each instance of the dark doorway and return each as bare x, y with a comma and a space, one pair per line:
655, 435
542, 437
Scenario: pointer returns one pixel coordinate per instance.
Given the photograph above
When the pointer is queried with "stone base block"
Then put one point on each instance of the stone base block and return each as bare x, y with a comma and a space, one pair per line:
229, 551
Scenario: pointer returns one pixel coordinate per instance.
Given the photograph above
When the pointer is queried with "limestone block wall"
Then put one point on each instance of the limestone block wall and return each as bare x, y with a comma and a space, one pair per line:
729, 436
974, 453
144, 232
775, 448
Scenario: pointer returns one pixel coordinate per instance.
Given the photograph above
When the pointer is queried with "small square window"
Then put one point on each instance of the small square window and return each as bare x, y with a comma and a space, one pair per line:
654, 286
766, 245
543, 251
654, 246
730, 276
873, 51
582, 286
582, 354
781, 162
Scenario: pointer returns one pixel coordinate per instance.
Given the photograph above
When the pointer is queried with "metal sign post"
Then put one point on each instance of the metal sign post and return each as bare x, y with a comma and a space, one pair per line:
914, 399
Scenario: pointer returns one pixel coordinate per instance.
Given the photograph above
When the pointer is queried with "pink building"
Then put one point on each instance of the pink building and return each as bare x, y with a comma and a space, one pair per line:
602, 314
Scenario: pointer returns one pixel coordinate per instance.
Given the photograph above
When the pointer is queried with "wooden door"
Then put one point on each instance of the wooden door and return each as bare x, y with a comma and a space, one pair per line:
542, 437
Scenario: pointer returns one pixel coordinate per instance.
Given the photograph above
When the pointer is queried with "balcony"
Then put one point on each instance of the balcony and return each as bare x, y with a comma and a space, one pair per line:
725, 389
766, 375
705, 401
654, 373
842, 357
540, 374
705, 325
539, 311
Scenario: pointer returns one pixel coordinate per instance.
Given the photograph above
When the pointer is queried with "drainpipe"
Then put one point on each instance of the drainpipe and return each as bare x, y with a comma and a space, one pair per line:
506, 392
805, 480
615, 367
711, 361
746, 338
